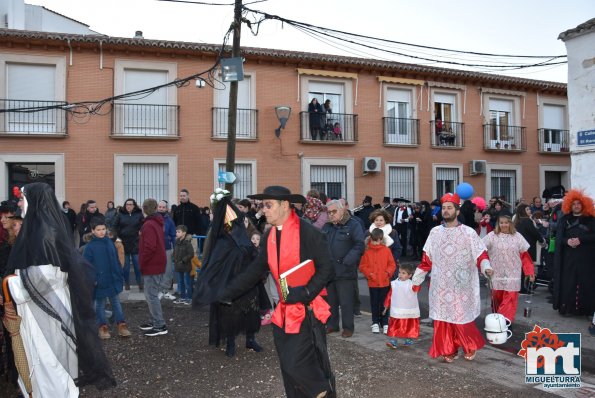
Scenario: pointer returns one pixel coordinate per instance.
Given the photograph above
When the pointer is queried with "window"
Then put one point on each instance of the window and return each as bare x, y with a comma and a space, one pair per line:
28, 81
500, 119
145, 176
554, 124
336, 87
333, 176
246, 121
504, 184
399, 126
146, 180
332, 180
444, 108
401, 182
146, 115
446, 180
245, 180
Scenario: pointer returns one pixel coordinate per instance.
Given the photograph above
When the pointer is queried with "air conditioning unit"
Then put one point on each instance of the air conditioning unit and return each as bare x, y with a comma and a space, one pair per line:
477, 167
371, 164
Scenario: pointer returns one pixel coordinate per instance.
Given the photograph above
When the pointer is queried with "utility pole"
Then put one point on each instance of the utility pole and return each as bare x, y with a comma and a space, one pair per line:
233, 96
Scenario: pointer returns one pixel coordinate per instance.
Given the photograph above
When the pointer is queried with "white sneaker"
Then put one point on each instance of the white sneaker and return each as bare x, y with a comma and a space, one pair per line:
169, 296
385, 329
160, 295
375, 328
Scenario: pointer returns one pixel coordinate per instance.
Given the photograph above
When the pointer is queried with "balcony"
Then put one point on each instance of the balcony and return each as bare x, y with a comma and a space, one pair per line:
330, 128
503, 138
553, 141
246, 124
447, 135
400, 131
145, 121
33, 118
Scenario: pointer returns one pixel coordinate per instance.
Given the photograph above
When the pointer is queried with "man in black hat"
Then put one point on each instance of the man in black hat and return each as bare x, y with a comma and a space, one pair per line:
365, 211
298, 320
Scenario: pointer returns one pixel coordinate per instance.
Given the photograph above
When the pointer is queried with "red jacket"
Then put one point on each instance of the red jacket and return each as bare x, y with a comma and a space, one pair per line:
377, 265
151, 246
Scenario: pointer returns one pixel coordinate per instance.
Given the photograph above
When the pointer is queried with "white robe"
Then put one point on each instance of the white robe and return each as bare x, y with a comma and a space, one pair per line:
48, 377
403, 300
505, 256
454, 290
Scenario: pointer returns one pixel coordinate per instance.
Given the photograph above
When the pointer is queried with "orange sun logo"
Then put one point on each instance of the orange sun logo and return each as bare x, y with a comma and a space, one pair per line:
538, 338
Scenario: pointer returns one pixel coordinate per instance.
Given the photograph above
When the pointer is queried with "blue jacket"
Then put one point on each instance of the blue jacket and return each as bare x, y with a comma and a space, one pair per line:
346, 244
108, 274
170, 231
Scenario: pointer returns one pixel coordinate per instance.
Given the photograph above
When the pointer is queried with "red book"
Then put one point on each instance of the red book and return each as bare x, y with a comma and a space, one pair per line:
298, 275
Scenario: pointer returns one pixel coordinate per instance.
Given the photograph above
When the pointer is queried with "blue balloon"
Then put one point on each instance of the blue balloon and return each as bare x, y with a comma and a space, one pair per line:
464, 190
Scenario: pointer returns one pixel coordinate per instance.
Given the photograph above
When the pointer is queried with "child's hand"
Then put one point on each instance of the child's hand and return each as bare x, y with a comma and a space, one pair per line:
384, 311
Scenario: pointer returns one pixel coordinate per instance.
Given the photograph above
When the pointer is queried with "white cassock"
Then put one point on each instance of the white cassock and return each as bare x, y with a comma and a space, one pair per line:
49, 377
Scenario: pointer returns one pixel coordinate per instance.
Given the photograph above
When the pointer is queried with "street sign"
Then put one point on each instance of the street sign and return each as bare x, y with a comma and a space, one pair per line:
226, 177
585, 137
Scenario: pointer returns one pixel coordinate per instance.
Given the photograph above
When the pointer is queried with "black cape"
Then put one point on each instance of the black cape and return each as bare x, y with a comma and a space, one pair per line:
574, 269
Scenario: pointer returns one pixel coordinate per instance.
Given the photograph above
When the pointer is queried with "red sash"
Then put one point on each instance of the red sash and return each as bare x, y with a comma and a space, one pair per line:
291, 315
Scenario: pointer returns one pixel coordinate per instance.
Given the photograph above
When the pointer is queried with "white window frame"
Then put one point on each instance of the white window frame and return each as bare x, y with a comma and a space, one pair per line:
56, 158
412, 104
457, 114
251, 162
170, 67
435, 166
553, 167
59, 80
388, 165
501, 166
348, 163
542, 101
120, 160
218, 95
347, 83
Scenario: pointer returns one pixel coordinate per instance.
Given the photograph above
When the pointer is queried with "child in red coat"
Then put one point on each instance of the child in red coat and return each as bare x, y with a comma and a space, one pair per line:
378, 265
404, 308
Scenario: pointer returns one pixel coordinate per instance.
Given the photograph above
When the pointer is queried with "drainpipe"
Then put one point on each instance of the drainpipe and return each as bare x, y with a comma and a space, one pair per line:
100, 54
70, 47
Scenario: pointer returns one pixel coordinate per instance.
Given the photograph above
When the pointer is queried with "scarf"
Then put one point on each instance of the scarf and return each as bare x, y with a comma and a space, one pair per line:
290, 316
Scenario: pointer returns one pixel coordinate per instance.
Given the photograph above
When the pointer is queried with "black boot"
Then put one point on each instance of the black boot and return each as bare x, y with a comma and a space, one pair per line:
251, 344
230, 350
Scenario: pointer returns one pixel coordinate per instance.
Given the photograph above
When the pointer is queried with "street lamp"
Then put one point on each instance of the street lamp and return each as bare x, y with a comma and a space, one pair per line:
282, 113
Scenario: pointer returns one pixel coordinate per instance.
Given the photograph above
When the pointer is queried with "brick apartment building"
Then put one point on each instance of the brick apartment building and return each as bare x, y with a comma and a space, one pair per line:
406, 130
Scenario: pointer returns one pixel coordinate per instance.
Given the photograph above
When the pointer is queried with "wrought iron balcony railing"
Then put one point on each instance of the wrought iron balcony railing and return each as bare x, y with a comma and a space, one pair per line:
328, 127
447, 134
504, 138
401, 131
30, 117
145, 120
553, 141
246, 123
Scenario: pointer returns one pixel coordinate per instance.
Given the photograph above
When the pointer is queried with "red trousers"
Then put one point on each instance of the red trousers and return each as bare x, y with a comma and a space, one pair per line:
449, 337
505, 303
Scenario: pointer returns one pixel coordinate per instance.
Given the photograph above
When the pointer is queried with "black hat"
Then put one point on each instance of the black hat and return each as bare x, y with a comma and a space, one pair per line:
367, 199
277, 192
386, 199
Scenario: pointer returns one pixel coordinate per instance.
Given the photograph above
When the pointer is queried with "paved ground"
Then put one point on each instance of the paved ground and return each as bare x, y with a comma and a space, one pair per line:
181, 364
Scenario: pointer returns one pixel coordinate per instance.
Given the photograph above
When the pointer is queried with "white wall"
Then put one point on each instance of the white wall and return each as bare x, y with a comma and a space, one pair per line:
36, 18
581, 108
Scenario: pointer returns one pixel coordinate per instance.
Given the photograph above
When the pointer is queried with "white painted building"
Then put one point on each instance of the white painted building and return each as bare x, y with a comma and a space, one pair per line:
580, 47
15, 14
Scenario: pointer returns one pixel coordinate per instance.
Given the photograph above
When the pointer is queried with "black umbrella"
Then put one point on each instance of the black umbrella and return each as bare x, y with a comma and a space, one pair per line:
403, 200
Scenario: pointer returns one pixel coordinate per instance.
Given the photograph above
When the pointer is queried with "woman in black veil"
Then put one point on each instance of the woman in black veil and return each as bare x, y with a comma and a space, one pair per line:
53, 289
228, 251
